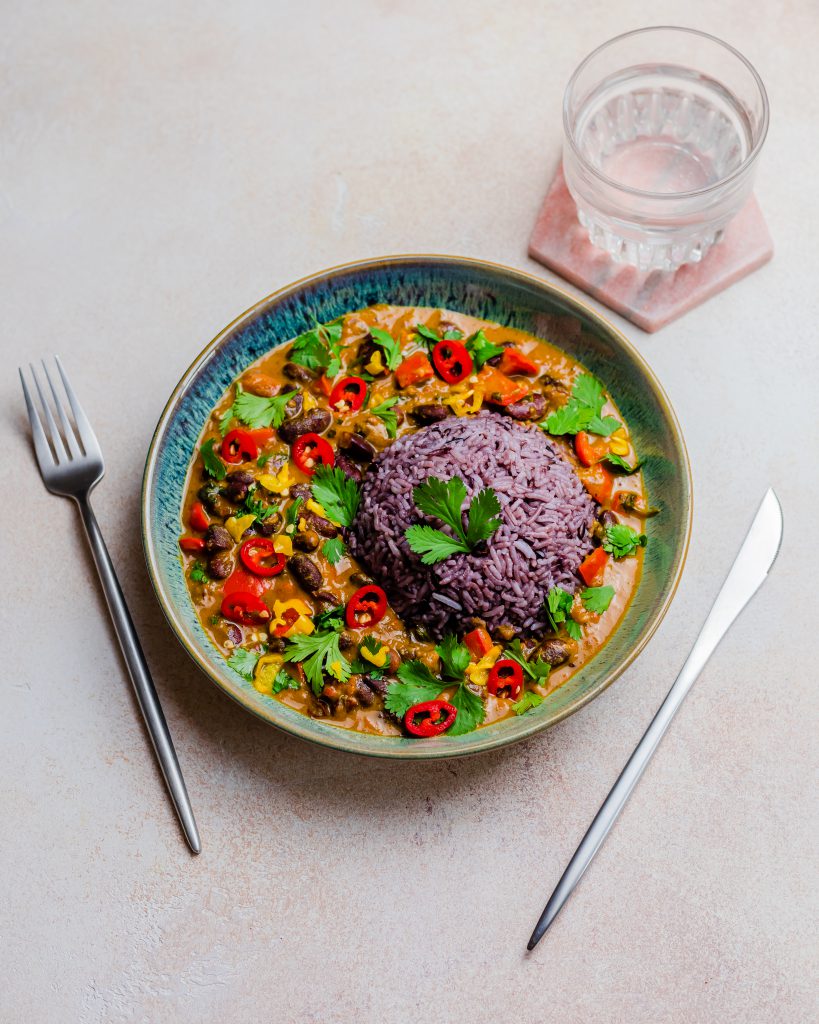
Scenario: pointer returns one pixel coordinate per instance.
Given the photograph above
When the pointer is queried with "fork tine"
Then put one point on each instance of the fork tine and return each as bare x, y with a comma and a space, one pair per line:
42, 450
68, 430
60, 453
86, 431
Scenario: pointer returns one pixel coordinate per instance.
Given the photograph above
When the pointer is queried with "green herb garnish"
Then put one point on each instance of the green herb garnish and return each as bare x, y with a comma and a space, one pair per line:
319, 653
430, 337
481, 348
444, 500
392, 350
258, 508
527, 702
198, 574
263, 460
622, 540
597, 599
558, 608
582, 411
319, 348
617, 462
211, 462
255, 411
416, 684
291, 516
284, 681
332, 618
244, 662
337, 493
387, 415
333, 550
537, 670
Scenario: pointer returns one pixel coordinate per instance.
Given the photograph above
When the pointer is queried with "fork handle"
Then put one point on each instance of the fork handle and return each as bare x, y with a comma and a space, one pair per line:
140, 676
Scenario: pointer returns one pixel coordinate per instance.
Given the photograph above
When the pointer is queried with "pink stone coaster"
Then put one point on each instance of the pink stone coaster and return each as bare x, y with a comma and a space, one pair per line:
651, 299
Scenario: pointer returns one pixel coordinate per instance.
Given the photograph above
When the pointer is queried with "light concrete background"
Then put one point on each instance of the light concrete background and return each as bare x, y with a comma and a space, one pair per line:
164, 166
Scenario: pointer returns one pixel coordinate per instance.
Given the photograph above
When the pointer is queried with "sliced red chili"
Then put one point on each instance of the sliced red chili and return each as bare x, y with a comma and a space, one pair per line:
311, 451
198, 517
288, 620
505, 675
239, 446
245, 608
255, 553
193, 545
430, 718
452, 361
351, 391
366, 607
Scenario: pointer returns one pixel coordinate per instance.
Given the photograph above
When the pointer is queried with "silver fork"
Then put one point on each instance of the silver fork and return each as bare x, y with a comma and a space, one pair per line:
74, 473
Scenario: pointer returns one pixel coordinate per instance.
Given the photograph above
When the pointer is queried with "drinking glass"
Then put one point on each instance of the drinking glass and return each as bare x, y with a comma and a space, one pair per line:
663, 128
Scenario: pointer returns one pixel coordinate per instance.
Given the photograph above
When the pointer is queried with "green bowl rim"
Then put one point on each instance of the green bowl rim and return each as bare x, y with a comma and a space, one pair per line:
337, 738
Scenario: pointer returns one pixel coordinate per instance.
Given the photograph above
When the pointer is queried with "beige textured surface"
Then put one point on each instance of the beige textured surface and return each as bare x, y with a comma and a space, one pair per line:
165, 165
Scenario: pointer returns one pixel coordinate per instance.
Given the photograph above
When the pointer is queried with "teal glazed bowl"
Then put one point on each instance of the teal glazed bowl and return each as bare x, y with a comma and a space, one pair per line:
480, 289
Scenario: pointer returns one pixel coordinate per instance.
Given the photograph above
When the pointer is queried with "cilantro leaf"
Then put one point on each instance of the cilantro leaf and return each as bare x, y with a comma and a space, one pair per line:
387, 415
244, 662
481, 348
263, 460
415, 685
597, 599
198, 574
319, 653
225, 420
454, 657
291, 517
211, 462
568, 419
332, 618
453, 334
470, 708
392, 350
536, 670
284, 681
430, 337
618, 462
433, 545
258, 508
558, 607
483, 517
589, 391
622, 540
442, 500
319, 348
574, 629
256, 411
333, 550
527, 702
338, 494
603, 425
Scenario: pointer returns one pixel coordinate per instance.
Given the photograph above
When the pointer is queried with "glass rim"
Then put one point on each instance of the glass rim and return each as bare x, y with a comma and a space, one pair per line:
629, 189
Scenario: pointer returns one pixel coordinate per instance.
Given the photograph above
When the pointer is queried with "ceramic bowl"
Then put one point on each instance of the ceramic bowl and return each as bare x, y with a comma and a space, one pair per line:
479, 289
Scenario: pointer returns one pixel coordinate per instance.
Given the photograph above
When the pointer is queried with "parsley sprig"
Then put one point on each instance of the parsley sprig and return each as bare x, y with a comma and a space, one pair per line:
582, 411
391, 348
211, 462
318, 653
622, 540
339, 495
416, 684
387, 415
319, 348
333, 550
255, 411
443, 499
558, 612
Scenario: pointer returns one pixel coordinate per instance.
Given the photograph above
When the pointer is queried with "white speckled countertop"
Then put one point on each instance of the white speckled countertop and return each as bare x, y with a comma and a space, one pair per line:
162, 167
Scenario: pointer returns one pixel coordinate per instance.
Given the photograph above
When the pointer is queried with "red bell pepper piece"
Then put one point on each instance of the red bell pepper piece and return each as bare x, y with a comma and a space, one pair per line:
589, 452
514, 361
311, 451
592, 566
506, 674
242, 580
500, 389
193, 545
254, 554
479, 643
198, 517
599, 482
324, 385
452, 361
430, 718
415, 369
366, 607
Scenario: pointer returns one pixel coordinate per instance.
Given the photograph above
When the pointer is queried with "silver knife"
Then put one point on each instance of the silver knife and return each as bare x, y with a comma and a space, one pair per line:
751, 566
